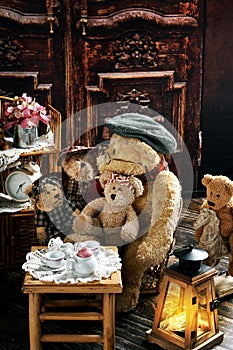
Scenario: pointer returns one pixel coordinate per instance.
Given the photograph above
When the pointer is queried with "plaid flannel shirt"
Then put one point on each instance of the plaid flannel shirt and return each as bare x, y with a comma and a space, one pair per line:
58, 222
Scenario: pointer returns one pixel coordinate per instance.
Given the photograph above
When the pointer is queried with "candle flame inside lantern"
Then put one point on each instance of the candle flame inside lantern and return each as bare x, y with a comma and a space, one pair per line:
174, 315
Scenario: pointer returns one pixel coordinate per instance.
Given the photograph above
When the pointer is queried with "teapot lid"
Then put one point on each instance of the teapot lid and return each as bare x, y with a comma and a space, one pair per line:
84, 252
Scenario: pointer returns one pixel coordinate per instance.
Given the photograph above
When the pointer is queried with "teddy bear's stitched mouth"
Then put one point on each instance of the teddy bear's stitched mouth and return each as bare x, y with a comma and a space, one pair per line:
212, 204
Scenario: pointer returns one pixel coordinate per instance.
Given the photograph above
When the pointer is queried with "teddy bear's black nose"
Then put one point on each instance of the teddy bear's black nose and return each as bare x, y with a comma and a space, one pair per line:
212, 204
113, 196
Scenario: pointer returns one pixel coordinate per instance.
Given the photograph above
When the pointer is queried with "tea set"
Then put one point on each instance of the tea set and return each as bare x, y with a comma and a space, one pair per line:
80, 257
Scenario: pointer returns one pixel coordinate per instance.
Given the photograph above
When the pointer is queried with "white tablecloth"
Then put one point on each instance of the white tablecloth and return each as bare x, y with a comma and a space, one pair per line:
12, 154
108, 261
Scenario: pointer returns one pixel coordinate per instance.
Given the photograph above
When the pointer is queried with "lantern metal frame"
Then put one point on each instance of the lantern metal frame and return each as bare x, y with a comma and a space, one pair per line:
191, 289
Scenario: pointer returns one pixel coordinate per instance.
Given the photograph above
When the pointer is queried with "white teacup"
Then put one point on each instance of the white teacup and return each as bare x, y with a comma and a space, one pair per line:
54, 259
93, 246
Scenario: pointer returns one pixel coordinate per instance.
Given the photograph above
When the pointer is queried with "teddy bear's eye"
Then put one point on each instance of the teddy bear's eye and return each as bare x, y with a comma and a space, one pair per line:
119, 190
211, 192
113, 151
114, 188
48, 192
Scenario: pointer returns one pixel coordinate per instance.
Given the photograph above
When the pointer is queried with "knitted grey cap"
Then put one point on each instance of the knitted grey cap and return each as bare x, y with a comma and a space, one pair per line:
145, 129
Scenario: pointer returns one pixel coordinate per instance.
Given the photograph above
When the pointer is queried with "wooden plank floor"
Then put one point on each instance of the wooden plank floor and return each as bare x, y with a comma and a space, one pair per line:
130, 327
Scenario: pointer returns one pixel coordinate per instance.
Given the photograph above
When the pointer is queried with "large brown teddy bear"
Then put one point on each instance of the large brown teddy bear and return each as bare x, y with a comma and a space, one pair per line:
219, 198
136, 148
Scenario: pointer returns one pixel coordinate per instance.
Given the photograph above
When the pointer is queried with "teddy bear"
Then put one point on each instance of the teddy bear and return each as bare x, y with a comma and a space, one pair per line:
78, 177
113, 216
219, 198
136, 148
54, 214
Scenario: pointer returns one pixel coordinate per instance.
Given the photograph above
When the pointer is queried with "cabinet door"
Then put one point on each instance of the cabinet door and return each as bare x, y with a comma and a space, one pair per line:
148, 55
22, 235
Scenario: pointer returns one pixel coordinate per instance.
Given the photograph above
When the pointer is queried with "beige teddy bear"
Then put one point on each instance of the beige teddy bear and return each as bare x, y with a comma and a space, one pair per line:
219, 198
136, 147
113, 216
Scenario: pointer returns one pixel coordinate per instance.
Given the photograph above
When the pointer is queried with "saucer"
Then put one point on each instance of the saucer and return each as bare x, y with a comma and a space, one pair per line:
54, 269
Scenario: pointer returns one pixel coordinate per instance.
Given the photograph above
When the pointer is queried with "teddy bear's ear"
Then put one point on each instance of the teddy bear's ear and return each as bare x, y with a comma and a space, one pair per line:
137, 184
206, 179
104, 178
229, 185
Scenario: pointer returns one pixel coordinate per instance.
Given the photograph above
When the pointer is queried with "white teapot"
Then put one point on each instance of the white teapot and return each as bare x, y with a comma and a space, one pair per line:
84, 262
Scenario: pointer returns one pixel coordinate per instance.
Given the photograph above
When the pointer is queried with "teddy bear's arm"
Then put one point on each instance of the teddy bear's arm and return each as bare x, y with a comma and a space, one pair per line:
93, 208
41, 234
41, 223
89, 215
130, 229
225, 216
166, 209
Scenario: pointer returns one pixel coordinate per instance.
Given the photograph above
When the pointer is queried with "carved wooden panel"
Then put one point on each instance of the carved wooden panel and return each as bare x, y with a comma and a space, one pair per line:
143, 92
118, 42
31, 44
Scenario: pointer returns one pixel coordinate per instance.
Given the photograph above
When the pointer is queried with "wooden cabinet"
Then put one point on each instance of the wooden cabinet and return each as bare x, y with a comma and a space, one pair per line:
147, 54
31, 58
17, 236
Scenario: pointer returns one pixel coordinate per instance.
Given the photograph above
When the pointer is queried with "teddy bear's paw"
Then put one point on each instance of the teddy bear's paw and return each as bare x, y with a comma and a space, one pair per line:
41, 234
79, 223
129, 232
127, 301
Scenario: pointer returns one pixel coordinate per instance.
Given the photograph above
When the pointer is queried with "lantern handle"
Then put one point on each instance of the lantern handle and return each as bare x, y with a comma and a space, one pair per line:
179, 252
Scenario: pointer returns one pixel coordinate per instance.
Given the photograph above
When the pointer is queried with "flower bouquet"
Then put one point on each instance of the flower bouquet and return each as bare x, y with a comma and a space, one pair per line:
24, 114
24, 111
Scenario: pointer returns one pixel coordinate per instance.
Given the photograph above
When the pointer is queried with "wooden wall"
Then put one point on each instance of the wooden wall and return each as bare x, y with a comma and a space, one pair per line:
217, 99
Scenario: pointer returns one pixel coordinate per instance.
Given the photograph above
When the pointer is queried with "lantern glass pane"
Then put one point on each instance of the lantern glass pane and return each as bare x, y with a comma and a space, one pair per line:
203, 312
173, 317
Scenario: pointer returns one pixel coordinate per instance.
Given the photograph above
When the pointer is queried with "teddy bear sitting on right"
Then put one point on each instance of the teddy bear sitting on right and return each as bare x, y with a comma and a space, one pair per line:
219, 197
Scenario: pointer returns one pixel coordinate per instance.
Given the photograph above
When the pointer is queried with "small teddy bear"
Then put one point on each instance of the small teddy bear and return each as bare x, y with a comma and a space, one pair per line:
54, 214
111, 219
219, 198
78, 178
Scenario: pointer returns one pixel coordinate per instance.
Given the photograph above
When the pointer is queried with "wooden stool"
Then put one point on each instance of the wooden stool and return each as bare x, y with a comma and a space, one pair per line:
106, 288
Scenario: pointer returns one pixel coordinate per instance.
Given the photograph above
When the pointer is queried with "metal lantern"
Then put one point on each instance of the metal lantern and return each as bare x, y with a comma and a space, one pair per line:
186, 314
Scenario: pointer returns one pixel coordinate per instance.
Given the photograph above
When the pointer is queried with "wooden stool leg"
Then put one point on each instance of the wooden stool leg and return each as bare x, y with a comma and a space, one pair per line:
109, 321
34, 321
